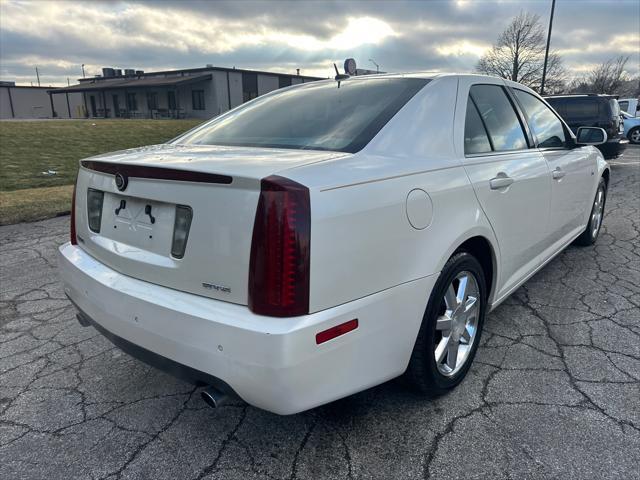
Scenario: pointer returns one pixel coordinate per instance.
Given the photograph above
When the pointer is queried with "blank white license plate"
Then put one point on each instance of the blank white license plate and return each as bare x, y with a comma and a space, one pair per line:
138, 222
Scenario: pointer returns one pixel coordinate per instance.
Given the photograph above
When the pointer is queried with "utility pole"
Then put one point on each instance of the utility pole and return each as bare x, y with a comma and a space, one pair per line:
546, 53
377, 66
38, 76
83, 70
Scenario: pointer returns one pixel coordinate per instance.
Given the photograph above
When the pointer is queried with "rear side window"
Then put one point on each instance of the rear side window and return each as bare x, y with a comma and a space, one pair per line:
558, 105
341, 116
499, 117
475, 135
624, 105
579, 108
545, 125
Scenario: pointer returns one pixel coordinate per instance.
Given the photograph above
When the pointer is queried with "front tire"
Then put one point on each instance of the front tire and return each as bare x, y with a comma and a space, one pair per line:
591, 232
450, 332
634, 135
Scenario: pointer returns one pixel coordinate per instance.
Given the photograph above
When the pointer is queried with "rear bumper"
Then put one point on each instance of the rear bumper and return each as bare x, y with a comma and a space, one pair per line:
271, 363
614, 147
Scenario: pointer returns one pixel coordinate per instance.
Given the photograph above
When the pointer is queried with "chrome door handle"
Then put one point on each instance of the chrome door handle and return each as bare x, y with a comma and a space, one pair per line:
558, 173
500, 182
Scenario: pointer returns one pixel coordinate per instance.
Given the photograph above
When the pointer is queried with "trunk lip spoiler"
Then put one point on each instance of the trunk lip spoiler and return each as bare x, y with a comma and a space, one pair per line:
156, 173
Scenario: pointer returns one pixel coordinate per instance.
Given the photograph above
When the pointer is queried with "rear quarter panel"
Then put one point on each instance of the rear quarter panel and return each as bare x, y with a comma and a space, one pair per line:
361, 239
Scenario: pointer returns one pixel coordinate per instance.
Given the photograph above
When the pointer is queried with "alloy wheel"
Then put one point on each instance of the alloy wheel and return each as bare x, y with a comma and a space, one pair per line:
596, 213
635, 135
457, 324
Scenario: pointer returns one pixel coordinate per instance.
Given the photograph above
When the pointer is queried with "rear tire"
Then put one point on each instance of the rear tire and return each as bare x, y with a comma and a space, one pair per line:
450, 332
634, 135
591, 232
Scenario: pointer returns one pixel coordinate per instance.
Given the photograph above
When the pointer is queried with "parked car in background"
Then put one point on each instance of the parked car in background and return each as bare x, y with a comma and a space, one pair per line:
590, 110
630, 105
631, 127
311, 243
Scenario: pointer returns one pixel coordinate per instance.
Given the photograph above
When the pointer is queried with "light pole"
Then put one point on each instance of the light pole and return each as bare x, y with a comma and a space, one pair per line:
377, 66
83, 70
546, 53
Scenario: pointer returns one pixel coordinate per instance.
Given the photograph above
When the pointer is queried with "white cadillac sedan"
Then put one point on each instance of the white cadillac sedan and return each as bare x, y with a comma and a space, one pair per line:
330, 236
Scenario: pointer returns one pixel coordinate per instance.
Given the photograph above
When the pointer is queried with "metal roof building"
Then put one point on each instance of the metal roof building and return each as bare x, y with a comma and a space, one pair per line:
190, 93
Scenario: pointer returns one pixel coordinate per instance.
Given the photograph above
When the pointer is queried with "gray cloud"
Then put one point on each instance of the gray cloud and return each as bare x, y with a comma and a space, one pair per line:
284, 35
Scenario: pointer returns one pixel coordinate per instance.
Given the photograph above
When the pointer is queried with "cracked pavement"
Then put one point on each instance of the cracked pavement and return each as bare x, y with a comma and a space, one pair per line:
554, 391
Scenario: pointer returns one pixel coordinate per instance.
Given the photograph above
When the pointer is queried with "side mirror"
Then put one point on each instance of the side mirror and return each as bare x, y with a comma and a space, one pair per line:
591, 136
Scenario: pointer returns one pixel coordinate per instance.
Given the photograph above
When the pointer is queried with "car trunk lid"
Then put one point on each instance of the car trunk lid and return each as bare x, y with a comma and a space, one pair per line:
137, 224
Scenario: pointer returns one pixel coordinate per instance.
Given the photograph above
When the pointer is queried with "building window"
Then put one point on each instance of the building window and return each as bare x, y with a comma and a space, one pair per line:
171, 100
152, 100
132, 103
197, 99
249, 86
284, 81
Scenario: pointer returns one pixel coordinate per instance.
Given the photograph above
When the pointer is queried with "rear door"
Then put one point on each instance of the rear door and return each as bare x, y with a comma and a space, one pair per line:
571, 169
511, 180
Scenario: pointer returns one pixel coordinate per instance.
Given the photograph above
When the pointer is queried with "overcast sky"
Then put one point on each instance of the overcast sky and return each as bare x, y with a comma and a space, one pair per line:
280, 36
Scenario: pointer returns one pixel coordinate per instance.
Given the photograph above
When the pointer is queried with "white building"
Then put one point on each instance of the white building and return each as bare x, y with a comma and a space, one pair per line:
192, 93
37, 102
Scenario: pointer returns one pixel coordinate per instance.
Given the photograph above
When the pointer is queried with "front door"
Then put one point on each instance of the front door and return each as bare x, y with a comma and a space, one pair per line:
116, 106
571, 181
94, 110
511, 180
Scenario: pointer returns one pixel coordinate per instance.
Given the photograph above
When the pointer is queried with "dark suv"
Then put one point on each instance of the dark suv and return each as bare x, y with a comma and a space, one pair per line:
591, 110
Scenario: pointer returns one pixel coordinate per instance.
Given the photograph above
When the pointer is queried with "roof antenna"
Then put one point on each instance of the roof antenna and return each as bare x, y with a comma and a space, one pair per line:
339, 76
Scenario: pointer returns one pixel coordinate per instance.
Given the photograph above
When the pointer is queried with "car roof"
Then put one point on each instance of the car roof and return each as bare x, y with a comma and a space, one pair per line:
426, 74
430, 75
595, 96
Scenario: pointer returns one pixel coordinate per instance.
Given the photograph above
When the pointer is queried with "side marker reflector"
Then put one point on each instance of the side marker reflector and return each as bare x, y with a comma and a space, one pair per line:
336, 331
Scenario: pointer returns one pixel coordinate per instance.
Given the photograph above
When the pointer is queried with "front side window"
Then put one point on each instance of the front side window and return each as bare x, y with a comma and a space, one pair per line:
545, 124
197, 99
476, 139
328, 115
499, 117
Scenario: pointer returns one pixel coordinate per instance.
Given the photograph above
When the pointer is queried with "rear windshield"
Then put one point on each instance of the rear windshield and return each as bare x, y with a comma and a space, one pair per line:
336, 116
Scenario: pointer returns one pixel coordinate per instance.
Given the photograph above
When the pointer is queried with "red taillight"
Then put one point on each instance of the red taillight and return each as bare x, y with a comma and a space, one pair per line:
336, 331
72, 232
279, 265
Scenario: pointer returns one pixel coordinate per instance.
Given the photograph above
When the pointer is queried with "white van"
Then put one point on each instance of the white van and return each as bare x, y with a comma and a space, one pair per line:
630, 105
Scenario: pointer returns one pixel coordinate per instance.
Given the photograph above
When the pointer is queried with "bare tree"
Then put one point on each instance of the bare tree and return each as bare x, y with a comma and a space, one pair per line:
518, 55
608, 77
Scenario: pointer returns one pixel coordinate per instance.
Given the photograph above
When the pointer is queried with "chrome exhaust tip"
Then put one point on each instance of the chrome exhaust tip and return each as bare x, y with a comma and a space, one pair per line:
213, 397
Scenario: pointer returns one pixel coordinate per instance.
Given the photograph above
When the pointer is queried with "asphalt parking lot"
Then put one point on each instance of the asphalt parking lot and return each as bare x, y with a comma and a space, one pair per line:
554, 391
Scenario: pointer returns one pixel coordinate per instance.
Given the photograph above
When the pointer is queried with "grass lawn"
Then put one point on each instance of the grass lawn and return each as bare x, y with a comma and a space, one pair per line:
28, 148
30, 204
